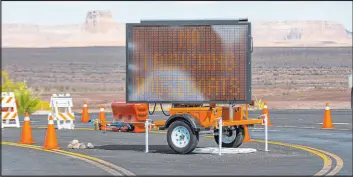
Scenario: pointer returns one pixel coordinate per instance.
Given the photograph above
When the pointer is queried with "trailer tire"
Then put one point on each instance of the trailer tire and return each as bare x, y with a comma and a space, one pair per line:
181, 138
238, 140
240, 137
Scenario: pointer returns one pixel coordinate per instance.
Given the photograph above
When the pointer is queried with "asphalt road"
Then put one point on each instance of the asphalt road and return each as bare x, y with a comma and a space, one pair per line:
24, 161
126, 150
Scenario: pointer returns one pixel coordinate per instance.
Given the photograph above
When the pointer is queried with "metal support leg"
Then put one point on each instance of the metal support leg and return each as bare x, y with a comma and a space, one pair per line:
58, 123
220, 136
264, 122
231, 111
17, 122
247, 111
266, 135
146, 134
220, 127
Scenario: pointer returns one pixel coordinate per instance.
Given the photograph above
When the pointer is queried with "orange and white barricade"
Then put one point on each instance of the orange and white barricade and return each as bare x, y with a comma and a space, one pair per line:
9, 115
61, 105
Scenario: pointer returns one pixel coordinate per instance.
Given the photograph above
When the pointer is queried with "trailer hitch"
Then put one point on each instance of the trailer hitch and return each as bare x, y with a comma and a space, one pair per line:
121, 126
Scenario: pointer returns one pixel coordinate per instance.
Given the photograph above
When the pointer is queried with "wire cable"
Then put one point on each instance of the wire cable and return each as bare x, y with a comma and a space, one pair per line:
162, 110
154, 108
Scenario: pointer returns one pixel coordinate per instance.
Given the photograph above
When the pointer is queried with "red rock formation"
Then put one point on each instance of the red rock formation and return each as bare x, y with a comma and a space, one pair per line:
99, 22
317, 33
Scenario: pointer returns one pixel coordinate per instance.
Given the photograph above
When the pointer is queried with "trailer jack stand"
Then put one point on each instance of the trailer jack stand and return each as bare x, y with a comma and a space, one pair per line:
220, 124
147, 124
265, 122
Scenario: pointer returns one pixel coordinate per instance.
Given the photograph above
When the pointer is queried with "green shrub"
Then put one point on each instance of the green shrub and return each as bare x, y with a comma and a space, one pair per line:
44, 105
26, 100
259, 104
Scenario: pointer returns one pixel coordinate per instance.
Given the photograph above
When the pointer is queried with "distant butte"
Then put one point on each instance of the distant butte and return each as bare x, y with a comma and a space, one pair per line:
100, 29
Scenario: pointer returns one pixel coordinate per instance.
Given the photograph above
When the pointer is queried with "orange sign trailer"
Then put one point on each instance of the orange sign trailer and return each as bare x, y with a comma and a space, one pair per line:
148, 44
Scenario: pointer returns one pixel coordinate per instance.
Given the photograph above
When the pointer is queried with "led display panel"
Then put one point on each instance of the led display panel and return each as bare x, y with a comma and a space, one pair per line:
192, 62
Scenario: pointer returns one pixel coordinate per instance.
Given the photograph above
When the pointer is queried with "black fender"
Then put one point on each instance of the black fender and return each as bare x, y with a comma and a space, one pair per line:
190, 120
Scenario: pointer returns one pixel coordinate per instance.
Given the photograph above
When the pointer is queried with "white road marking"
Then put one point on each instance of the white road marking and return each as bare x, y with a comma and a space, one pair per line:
31, 121
267, 130
337, 123
306, 127
212, 150
296, 127
285, 126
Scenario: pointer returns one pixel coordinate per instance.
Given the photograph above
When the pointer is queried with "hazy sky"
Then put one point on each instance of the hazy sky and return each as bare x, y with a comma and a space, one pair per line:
67, 12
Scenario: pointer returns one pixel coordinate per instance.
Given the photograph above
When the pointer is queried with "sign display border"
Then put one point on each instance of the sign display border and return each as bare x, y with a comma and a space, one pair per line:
181, 23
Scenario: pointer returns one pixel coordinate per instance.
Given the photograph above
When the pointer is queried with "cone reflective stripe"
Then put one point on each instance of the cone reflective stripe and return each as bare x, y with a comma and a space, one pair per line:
51, 121
26, 118
102, 118
327, 107
327, 122
265, 111
26, 136
50, 139
85, 115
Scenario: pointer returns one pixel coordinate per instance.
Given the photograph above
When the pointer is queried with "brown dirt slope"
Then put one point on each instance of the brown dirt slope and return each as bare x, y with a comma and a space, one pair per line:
285, 77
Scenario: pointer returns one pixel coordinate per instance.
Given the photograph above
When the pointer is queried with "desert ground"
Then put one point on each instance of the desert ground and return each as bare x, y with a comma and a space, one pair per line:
287, 77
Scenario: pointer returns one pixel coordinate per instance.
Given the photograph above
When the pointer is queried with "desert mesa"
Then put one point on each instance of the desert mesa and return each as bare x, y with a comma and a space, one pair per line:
100, 29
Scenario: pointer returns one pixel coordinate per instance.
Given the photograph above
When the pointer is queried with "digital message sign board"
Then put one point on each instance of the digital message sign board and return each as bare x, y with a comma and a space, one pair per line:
188, 62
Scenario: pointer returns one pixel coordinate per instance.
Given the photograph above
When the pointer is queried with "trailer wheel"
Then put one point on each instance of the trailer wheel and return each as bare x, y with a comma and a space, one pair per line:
181, 138
233, 139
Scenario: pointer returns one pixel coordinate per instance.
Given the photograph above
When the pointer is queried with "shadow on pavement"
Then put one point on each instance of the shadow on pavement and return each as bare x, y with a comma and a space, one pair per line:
160, 149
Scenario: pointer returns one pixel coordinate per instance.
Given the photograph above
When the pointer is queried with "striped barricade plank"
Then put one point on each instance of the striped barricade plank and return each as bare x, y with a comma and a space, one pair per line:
8, 115
65, 116
9, 110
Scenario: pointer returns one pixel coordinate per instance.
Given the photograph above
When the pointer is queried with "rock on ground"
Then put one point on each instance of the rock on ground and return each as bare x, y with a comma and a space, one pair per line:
90, 145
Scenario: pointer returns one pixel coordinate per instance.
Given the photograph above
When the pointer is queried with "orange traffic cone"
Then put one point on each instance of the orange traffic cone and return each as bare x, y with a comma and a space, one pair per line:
102, 118
327, 123
247, 135
50, 138
26, 137
85, 115
265, 111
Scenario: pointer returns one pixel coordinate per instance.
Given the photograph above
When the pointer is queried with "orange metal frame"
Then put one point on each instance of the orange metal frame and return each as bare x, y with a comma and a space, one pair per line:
136, 114
208, 115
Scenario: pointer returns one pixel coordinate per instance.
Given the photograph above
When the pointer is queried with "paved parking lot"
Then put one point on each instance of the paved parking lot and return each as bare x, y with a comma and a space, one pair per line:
126, 150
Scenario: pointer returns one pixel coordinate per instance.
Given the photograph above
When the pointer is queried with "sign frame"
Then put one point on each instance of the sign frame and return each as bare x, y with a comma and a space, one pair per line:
181, 23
